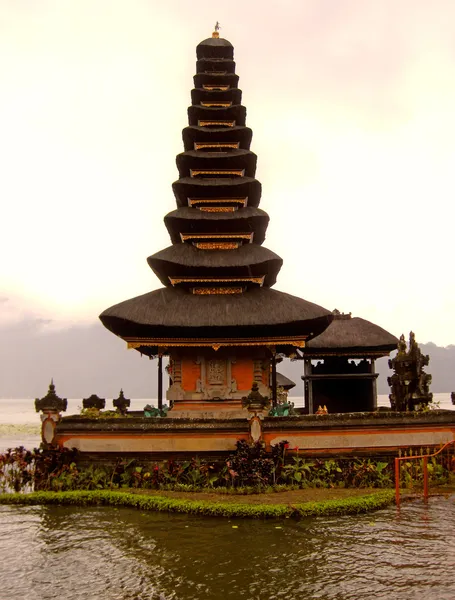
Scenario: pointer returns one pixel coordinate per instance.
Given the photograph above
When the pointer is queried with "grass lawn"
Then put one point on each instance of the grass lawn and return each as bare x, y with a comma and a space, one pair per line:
287, 497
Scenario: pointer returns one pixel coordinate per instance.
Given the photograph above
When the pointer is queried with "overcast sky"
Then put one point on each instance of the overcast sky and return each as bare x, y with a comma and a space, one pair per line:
352, 106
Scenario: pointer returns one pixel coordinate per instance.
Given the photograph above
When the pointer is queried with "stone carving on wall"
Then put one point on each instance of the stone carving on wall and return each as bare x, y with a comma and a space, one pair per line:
216, 372
175, 391
409, 383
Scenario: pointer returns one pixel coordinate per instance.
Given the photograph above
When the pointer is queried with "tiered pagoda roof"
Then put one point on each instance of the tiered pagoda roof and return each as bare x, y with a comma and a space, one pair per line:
217, 275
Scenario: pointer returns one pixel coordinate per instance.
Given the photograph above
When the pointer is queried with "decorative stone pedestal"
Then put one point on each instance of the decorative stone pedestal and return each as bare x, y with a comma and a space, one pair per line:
51, 407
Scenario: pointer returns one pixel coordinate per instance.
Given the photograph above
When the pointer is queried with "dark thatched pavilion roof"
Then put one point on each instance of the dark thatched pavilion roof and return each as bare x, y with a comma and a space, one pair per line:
215, 47
284, 382
186, 259
188, 220
213, 78
215, 64
236, 112
351, 335
173, 312
219, 134
234, 159
233, 95
240, 187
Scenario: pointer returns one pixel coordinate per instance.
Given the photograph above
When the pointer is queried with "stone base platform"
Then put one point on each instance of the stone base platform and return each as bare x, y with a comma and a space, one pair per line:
209, 414
334, 435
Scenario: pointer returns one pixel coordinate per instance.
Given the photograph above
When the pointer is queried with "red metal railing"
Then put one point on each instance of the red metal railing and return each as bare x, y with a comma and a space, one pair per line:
424, 458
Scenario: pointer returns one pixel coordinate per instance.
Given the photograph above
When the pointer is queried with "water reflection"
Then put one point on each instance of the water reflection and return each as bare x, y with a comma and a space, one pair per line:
103, 553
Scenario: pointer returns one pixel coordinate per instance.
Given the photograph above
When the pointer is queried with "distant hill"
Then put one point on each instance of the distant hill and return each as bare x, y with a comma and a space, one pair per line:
81, 359
89, 359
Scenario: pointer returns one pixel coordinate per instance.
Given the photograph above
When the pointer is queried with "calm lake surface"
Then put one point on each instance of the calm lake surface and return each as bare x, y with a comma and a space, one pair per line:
108, 554
124, 554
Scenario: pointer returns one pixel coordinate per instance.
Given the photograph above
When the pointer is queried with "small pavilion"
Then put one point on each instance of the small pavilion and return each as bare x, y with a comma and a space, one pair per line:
339, 370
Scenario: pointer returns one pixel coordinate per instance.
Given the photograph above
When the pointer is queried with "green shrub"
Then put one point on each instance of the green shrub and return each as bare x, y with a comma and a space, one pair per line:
353, 505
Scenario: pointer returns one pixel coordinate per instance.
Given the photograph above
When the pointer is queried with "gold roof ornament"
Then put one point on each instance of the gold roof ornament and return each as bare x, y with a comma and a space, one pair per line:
216, 33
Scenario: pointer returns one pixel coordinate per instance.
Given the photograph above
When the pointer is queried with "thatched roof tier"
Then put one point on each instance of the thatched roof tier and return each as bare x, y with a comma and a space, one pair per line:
236, 113
239, 160
192, 135
199, 95
215, 47
230, 79
187, 260
195, 187
174, 313
284, 382
215, 64
191, 220
351, 336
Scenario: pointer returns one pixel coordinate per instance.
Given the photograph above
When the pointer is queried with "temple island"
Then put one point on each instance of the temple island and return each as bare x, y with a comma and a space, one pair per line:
223, 328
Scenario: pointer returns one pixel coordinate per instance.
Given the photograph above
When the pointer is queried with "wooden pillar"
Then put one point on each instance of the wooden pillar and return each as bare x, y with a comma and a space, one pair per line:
308, 387
160, 381
374, 387
274, 393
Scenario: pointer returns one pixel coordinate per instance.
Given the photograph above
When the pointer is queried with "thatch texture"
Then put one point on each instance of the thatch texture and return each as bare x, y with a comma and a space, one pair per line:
215, 48
236, 113
173, 312
240, 187
230, 78
284, 382
191, 220
186, 259
214, 161
355, 334
191, 135
199, 95
215, 64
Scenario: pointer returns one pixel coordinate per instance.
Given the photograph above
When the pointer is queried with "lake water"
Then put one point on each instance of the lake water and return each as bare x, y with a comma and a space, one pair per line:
125, 554
20, 424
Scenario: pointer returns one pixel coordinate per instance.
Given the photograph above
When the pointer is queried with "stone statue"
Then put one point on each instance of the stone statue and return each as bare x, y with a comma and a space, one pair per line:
217, 26
409, 383
255, 400
121, 403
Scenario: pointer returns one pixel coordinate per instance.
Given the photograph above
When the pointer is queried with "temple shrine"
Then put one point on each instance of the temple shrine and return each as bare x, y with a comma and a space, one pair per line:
217, 317
339, 371
223, 328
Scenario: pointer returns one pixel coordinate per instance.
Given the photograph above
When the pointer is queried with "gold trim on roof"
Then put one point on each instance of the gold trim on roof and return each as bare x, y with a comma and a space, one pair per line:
242, 201
201, 145
295, 341
217, 209
220, 104
217, 245
213, 172
216, 236
211, 87
206, 123
310, 353
177, 280
216, 291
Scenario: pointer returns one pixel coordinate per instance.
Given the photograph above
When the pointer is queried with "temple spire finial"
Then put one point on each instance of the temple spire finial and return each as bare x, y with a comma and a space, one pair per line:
216, 33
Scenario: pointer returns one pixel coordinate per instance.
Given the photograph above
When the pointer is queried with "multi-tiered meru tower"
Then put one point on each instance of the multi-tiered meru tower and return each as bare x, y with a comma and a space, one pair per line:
217, 317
